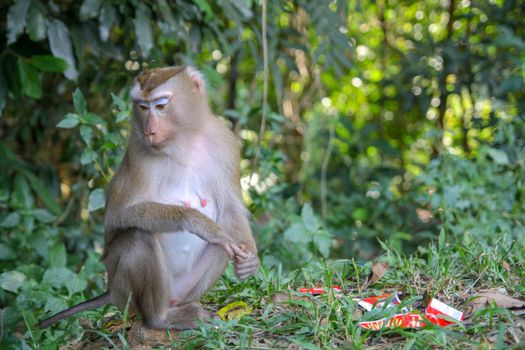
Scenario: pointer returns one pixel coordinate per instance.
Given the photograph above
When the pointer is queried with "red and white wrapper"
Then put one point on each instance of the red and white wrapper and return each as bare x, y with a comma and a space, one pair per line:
434, 310
319, 290
408, 320
379, 301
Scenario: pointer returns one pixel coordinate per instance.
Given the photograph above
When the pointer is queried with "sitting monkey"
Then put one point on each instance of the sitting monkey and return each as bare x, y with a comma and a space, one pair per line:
174, 214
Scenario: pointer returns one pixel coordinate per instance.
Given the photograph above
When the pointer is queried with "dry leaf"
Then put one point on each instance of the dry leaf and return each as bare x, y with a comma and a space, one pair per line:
488, 296
379, 269
506, 266
356, 316
234, 310
324, 322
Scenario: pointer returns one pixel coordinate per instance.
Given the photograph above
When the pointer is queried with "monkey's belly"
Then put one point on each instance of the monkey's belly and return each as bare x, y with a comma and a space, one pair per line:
181, 250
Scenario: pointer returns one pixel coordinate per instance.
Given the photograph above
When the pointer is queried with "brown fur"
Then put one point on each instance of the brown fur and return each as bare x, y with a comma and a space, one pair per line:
151, 78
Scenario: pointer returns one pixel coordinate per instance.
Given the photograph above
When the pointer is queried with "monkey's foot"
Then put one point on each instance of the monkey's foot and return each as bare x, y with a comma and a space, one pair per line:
186, 316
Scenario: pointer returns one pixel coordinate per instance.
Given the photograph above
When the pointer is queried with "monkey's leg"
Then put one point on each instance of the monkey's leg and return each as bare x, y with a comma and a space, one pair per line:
192, 284
187, 288
136, 271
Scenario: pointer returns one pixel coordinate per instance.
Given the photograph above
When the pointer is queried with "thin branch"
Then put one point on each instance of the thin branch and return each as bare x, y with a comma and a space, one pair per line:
265, 86
328, 151
326, 159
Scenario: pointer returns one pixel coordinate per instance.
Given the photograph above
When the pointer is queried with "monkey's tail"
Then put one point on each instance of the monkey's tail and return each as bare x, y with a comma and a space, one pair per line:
90, 304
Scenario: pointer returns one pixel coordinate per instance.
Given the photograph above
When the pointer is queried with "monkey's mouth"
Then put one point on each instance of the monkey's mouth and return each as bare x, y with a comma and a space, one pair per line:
156, 143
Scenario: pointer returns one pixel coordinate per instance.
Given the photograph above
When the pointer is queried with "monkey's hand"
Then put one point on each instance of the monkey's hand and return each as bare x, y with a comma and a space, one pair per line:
230, 246
246, 263
226, 242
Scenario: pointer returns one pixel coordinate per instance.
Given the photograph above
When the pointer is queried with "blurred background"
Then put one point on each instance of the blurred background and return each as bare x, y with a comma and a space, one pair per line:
386, 123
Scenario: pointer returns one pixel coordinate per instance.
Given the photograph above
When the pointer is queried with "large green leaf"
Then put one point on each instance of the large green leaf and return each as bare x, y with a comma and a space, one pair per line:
93, 119
48, 63
43, 215
70, 121
16, 19
57, 277
119, 102
309, 219
60, 44
499, 156
76, 285
30, 79
11, 220
244, 7
323, 242
205, 7
89, 9
12, 280
86, 132
96, 199
108, 17
6, 252
143, 28
57, 256
88, 156
79, 102
297, 233
38, 186
168, 24
22, 197
54, 305
36, 23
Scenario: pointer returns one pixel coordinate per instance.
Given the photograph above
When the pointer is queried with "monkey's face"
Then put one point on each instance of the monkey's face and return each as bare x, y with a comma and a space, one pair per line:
168, 102
156, 118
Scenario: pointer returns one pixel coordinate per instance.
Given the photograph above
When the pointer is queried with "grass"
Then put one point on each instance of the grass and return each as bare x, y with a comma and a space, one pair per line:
282, 318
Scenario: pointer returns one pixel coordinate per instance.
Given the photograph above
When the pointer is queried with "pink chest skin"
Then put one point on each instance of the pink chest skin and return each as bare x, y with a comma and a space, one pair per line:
182, 248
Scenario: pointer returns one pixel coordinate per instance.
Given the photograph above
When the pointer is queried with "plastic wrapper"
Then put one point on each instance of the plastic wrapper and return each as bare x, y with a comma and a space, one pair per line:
368, 304
319, 290
436, 313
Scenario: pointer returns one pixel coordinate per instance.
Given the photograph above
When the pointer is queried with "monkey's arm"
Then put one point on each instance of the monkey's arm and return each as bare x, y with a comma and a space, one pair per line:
157, 217
236, 223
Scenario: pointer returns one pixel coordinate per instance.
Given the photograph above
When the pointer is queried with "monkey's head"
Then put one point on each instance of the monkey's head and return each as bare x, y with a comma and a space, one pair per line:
166, 102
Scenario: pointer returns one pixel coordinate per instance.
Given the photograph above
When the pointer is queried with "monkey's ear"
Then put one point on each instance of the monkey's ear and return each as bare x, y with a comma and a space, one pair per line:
197, 79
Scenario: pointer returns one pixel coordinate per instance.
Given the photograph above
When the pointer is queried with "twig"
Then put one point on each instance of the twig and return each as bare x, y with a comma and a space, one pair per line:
328, 151
265, 86
326, 159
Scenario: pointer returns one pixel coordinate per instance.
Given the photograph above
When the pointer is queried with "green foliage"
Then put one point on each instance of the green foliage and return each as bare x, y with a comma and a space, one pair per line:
389, 125
481, 199
306, 237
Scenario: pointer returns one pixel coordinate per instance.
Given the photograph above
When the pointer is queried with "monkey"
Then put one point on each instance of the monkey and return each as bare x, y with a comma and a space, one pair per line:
174, 213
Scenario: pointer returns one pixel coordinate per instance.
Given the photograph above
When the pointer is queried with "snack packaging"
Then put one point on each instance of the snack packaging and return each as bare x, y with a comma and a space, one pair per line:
319, 290
434, 314
379, 301
436, 308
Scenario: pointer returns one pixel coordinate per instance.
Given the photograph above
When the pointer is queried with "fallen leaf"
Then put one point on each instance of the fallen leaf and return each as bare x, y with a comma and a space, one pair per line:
379, 269
489, 296
234, 310
506, 266
113, 326
356, 316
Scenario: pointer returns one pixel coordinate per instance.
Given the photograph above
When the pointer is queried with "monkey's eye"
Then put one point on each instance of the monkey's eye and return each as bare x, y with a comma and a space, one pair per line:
160, 103
143, 107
